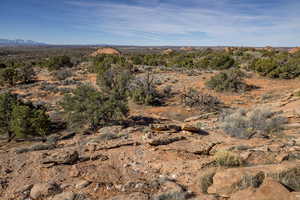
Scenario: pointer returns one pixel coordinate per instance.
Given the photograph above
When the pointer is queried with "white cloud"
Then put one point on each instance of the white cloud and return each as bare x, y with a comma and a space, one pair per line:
170, 24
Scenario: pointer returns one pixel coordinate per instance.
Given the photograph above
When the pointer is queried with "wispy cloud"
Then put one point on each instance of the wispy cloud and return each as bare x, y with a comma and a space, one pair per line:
216, 22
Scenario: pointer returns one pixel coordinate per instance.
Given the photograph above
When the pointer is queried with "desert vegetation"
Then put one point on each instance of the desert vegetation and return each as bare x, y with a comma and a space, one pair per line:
19, 119
247, 123
228, 81
148, 123
204, 102
88, 107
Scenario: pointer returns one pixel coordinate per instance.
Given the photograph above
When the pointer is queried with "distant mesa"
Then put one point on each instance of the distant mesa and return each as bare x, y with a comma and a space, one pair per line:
268, 48
107, 50
168, 51
230, 49
19, 42
187, 48
294, 50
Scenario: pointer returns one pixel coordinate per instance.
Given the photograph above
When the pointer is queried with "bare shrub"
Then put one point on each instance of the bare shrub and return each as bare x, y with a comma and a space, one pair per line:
62, 74
204, 102
143, 91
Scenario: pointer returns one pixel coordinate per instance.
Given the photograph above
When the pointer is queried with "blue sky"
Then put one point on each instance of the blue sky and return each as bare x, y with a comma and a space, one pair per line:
153, 22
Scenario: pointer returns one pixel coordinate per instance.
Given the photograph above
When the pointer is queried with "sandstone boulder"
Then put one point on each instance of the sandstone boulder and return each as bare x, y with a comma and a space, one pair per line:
270, 189
62, 158
43, 190
229, 181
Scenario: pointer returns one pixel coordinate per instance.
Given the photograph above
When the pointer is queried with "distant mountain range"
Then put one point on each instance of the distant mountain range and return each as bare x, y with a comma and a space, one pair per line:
19, 42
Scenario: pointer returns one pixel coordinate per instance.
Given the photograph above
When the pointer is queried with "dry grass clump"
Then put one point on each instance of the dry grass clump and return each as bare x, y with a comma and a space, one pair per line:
227, 159
245, 124
206, 180
251, 181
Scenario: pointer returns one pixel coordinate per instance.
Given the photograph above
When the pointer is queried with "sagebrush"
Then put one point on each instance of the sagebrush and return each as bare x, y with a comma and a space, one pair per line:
260, 122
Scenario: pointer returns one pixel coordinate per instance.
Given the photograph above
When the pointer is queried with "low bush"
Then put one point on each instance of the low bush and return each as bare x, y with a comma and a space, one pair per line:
62, 74
280, 66
221, 61
102, 63
248, 123
227, 159
22, 119
8, 76
25, 74
48, 87
206, 180
289, 178
167, 91
254, 180
12, 75
204, 102
114, 81
58, 62
229, 81
89, 108
143, 91
2, 66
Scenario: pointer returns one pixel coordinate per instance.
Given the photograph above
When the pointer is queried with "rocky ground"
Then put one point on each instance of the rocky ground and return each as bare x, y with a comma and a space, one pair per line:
163, 153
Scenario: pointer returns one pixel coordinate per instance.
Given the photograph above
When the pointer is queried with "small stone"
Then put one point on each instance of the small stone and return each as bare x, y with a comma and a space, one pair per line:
165, 127
74, 172
292, 126
189, 127
282, 157
165, 140
82, 184
62, 158
64, 196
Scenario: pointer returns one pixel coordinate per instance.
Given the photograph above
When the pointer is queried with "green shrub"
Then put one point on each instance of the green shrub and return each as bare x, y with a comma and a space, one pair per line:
25, 74
264, 65
229, 81
8, 76
137, 60
57, 62
248, 123
22, 119
91, 108
7, 101
12, 75
114, 81
221, 61
2, 66
102, 63
203, 63
280, 66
